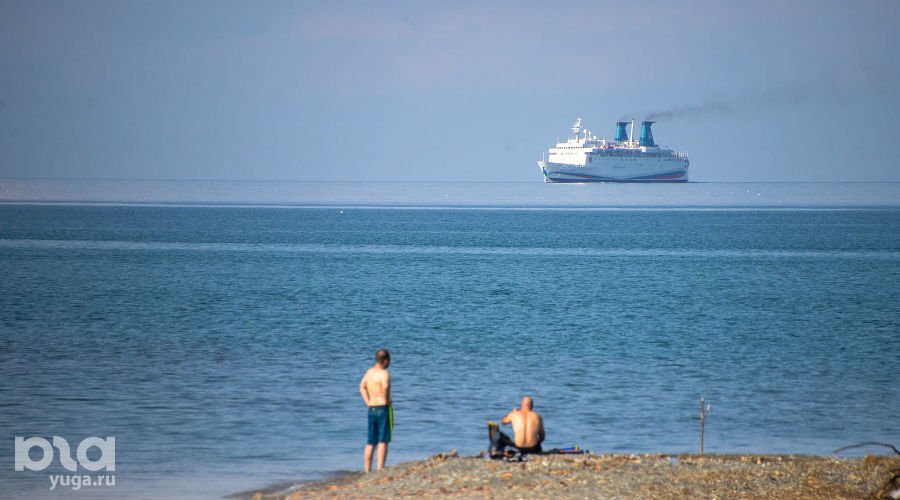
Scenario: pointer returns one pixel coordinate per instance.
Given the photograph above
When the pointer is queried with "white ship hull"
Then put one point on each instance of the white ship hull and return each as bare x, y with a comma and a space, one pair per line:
609, 169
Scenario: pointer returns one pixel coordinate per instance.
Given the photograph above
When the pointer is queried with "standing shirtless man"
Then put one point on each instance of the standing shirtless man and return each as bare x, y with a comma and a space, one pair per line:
528, 427
375, 388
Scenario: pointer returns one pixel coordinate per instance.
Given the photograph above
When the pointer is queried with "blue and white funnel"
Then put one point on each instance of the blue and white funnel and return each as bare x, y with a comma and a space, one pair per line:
621, 134
646, 134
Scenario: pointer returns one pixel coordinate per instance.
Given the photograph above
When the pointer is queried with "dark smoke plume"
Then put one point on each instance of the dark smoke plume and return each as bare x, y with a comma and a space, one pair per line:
716, 108
784, 96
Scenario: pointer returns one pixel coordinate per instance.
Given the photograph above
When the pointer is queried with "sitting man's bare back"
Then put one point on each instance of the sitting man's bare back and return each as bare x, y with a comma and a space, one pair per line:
528, 427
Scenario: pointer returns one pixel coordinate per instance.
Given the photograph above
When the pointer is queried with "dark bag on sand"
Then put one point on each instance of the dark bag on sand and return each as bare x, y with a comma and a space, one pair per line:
499, 443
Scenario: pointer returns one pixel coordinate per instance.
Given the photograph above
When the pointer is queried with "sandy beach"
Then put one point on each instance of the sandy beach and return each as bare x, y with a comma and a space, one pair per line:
447, 475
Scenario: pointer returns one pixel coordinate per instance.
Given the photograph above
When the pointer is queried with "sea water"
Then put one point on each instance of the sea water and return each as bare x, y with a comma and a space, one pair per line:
220, 333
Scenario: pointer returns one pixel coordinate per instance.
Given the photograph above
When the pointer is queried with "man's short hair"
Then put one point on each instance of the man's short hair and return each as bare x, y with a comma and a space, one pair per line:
381, 356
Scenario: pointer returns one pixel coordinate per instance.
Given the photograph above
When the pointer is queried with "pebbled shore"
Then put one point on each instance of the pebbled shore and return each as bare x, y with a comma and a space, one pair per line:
615, 476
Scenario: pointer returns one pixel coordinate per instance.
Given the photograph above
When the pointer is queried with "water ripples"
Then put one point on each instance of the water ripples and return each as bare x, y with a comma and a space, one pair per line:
22, 244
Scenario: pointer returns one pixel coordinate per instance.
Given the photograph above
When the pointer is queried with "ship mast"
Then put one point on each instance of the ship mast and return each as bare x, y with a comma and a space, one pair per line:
631, 135
576, 128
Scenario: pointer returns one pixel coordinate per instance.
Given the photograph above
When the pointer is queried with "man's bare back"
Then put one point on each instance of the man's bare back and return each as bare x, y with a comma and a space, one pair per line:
375, 386
528, 426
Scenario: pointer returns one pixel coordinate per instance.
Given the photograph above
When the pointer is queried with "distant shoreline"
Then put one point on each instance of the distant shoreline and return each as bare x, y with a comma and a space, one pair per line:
610, 475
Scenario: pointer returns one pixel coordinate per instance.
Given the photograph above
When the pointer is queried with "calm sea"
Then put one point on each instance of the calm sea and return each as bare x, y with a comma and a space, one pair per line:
218, 330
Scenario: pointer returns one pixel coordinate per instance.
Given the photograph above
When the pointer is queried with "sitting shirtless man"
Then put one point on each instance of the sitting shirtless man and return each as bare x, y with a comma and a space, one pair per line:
528, 427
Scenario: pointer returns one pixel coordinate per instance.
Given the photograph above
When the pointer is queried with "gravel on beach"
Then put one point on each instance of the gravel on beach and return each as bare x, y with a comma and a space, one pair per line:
615, 476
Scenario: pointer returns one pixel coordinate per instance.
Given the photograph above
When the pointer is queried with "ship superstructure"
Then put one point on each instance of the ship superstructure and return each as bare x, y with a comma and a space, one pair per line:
585, 158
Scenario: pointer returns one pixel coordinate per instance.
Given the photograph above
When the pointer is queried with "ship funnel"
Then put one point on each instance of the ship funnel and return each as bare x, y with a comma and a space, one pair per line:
621, 134
646, 134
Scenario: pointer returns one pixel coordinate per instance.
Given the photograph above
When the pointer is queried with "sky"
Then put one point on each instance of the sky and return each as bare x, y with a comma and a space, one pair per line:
762, 91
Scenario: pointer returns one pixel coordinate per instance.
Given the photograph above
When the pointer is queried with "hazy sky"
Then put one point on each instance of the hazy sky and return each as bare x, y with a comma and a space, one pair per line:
783, 90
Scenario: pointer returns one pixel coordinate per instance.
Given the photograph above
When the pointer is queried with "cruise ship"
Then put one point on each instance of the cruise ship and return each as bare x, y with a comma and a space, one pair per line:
585, 158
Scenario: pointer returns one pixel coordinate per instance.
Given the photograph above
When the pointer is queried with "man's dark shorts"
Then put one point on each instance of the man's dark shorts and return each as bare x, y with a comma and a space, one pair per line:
380, 423
501, 441
536, 449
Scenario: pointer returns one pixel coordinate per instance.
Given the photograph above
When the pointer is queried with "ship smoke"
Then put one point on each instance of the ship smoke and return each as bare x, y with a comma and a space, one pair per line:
772, 98
717, 108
